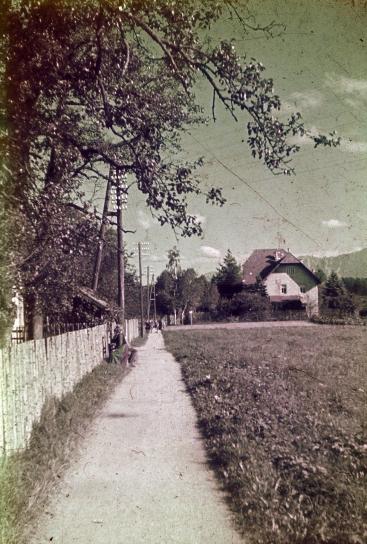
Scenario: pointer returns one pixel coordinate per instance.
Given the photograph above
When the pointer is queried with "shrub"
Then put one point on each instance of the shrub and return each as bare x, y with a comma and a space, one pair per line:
250, 305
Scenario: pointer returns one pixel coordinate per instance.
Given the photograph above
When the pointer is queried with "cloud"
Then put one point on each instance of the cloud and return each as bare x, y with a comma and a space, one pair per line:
210, 252
200, 218
144, 220
347, 84
354, 91
306, 100
353, 147
334, 224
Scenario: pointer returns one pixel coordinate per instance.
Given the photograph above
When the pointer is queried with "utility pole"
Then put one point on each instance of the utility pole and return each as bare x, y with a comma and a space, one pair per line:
155, 304
141, 293
121, 199
102, 232
148, 295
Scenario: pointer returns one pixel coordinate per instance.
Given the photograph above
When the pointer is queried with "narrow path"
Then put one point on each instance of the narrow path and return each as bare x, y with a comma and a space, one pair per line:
142, 476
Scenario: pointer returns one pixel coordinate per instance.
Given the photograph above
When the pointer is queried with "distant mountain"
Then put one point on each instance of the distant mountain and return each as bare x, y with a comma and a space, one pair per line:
352, 265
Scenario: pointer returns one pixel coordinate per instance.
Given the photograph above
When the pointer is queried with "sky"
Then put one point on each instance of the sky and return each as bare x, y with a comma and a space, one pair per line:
319, 67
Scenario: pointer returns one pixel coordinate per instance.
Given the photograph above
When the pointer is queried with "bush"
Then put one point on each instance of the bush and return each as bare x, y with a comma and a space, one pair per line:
334, 319
248, 304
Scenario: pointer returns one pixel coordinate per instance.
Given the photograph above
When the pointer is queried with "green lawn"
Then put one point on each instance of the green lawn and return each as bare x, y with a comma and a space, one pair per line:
283, 412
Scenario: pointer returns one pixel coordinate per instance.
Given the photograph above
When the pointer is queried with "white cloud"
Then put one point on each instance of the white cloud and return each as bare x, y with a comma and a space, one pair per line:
306, 100
200, 218
334, 224
354, 91
347, 84
353, 147
144, 220
210, 252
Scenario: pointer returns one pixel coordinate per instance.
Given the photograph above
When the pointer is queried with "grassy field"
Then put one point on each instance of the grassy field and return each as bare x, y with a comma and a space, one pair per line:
283, 412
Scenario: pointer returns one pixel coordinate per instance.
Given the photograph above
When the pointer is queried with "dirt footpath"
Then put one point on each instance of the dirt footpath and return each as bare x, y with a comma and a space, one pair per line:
142, 476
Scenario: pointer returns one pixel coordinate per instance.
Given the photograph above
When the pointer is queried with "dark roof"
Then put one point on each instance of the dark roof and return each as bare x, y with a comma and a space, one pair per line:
260, 263
91, 296
263, 261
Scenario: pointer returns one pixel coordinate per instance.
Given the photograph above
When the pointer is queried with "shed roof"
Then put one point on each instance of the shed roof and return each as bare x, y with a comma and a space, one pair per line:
90, 295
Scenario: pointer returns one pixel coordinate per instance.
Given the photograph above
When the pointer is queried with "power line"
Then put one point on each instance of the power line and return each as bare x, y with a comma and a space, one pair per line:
285, 219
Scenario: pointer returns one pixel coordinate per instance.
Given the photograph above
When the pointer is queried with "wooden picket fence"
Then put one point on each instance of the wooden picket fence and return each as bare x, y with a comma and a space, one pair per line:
33, 371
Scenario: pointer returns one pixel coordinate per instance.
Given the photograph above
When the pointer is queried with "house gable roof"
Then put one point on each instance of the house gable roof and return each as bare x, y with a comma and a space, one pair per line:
264, 261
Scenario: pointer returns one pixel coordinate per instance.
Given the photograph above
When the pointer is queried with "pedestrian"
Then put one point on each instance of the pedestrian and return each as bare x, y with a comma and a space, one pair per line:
160, 324
147, 327
120, 351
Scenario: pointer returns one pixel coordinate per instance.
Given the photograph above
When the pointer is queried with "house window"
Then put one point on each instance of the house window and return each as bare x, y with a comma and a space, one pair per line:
303, 289
284, 289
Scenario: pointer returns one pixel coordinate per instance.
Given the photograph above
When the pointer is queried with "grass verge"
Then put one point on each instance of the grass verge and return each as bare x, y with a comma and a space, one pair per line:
27, 477
283, 413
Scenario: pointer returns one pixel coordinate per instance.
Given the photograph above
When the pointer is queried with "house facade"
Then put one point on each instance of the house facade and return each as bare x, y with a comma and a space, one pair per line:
288, 281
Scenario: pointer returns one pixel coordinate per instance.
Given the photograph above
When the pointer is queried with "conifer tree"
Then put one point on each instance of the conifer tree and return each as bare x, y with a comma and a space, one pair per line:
335, 298
228, 278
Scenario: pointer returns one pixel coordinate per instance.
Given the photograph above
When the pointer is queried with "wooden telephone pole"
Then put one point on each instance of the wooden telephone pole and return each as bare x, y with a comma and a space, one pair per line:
114, 181
102, 233
120, 255
141, 293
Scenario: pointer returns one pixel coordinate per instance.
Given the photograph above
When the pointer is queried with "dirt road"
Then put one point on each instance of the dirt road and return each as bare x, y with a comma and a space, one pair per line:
142, 476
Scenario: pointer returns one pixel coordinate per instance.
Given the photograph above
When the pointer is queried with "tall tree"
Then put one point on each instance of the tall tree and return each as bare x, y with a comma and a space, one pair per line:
320, 274
334, 296
228, 277
190, 290
210, 297
166, 287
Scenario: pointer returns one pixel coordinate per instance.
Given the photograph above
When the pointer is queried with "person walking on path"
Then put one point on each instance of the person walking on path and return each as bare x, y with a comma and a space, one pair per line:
142, 475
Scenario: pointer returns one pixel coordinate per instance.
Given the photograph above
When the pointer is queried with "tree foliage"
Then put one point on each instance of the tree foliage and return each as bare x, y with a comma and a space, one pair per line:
320, 274
257, 288
357, 286
178, 291
228, 277
335, 298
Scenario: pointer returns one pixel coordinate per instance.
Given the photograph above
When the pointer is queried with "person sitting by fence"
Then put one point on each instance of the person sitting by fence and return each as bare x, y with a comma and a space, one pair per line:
120, 350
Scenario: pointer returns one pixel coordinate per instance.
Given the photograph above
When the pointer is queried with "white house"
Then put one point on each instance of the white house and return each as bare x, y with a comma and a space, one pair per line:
286, 278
